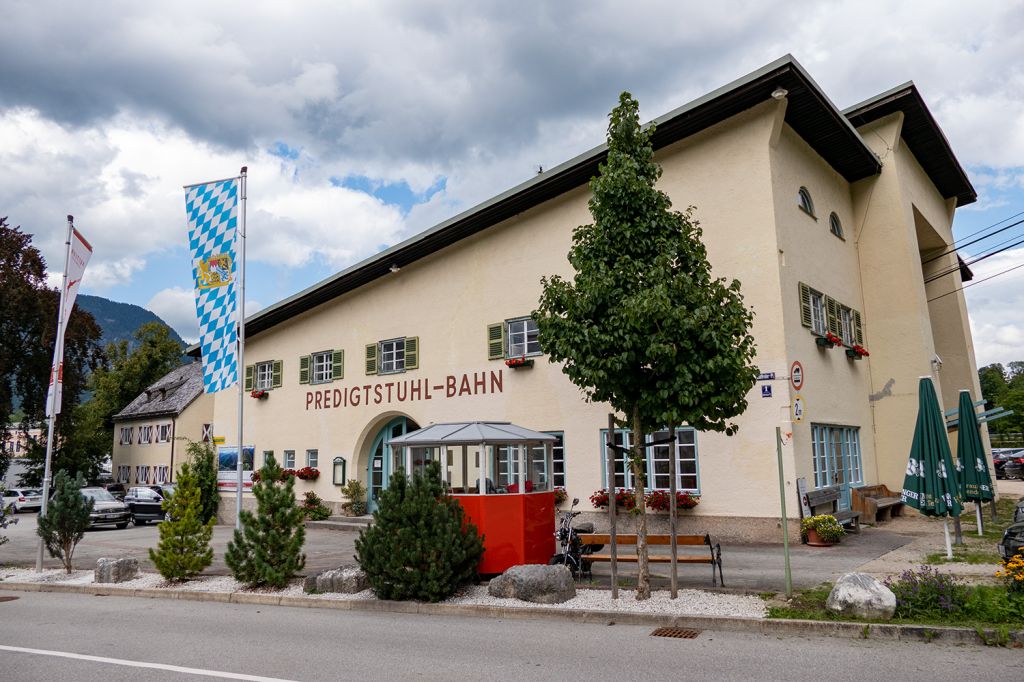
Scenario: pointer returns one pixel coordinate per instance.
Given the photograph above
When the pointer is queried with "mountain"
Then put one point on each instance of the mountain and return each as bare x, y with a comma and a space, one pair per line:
120, 320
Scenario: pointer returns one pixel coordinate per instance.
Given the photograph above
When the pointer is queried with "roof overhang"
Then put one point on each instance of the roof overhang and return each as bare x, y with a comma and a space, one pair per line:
809, 112
922, 135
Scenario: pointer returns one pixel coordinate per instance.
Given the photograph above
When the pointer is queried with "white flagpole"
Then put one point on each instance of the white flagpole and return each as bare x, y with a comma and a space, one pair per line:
240, 306
55, 376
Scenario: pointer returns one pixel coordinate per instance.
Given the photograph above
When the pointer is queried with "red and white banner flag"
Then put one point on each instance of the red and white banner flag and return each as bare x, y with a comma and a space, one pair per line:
79, 253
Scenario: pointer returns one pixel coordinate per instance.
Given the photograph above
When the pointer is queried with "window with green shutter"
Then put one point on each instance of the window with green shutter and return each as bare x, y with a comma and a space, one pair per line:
275, 379
805, 305
496, 341
858, 328
338, 364
832, 311
249, 373
371, 358
412, 352
304, 369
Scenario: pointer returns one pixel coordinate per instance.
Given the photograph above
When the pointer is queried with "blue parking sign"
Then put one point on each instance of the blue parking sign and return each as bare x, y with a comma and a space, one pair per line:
766, 390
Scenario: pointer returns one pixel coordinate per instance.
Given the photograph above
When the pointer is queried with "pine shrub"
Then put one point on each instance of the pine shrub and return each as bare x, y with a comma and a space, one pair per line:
67, 518
314, 508
184, 549
267, 550
420, 545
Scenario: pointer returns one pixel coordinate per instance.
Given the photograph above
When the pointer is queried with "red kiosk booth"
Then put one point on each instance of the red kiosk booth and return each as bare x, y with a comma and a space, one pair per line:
501, 475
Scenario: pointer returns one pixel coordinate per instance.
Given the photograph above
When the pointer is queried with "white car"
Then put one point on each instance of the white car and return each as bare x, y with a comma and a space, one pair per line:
23, 499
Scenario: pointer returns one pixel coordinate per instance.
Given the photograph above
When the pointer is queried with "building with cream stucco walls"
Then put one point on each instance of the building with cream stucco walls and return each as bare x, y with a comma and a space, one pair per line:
152, 431
832, 220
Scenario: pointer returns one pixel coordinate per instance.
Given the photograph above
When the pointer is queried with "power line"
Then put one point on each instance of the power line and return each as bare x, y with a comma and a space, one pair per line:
954, 248
1003, 272
968, 236
953, 268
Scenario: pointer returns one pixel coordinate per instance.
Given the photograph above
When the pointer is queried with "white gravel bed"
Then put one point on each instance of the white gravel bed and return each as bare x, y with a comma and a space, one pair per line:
689, 602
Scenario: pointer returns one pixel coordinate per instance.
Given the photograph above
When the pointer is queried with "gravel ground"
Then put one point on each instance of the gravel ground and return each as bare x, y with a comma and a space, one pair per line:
690, 602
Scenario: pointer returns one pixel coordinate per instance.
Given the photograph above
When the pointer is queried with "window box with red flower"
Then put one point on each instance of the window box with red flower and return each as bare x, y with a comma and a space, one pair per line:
308, 473
660, 500
519, 363
830, 340
260, 394
856, 352
561, 495
624, 499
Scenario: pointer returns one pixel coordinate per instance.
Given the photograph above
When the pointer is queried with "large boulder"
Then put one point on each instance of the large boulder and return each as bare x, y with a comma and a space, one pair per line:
344, 580
533, 583
116, 570
861, 595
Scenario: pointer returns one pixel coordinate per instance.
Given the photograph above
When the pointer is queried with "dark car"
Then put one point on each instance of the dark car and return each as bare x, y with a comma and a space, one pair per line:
1008, 462
1013, 541
106, 509
1018, 511
162, 489
116, 489
145, 505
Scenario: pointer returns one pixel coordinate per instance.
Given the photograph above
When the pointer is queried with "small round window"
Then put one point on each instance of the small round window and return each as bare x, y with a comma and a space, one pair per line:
803, 199
835, 226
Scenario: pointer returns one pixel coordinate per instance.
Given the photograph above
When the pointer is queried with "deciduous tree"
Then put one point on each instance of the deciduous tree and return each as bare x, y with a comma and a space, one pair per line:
643, 325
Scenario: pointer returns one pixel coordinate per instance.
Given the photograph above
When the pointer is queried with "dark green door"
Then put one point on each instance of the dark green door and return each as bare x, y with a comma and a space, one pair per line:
382, 461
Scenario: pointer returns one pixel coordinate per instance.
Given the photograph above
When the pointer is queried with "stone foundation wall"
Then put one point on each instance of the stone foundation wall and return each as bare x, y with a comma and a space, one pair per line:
723, 529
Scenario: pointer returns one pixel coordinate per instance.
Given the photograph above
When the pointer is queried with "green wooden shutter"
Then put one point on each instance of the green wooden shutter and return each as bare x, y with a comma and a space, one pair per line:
496, 341
275, 374
304, 369
858, 329
371, 358
805, 305
338, 364
832, 310
249, 371
412, 352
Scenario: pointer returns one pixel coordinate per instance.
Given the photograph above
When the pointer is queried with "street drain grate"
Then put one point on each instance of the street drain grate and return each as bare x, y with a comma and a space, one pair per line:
5, 598
678, 633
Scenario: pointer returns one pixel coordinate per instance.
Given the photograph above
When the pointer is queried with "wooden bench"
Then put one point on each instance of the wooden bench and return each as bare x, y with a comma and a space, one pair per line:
877, 503
713, 557
830, 496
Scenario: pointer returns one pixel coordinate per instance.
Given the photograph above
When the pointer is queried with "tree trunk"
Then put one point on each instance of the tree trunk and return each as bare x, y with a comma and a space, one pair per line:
637, 457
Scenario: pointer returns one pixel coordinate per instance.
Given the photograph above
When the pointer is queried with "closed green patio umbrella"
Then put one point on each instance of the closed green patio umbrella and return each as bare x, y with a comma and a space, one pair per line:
975, 481
930, 486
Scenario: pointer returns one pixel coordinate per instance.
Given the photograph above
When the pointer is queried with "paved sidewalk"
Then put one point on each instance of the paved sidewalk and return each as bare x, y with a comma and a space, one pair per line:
747, 567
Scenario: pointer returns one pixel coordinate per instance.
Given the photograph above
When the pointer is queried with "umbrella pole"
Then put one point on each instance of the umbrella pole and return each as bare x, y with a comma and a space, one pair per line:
977, 511
945, 528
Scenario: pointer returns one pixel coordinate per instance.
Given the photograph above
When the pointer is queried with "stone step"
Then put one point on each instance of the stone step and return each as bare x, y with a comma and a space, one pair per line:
349, 524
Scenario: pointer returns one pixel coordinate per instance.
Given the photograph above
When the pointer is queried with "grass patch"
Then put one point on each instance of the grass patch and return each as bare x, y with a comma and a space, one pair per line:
965, 555
993, 529
983, 607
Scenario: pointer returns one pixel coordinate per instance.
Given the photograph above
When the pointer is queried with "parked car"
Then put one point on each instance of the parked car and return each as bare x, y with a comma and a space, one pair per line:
23, 499
1008, 462
1018, 511
1013, 541
106, 509
162, 489
116, 489
144, 504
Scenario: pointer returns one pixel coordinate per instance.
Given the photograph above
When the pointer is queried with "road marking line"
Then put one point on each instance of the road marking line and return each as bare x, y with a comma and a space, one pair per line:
142, 664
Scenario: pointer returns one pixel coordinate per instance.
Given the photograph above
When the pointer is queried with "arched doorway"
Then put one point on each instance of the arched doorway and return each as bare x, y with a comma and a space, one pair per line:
381, 462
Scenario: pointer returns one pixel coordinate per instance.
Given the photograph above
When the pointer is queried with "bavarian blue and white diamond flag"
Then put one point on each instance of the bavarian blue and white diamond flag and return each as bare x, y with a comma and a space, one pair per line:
212, 210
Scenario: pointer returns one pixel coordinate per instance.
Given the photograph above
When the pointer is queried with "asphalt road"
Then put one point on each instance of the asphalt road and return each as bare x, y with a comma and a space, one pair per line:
748, 567
137, 638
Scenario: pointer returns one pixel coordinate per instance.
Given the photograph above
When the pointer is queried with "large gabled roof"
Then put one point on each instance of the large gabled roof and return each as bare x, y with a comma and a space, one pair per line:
922, 135
167, 396
809, 112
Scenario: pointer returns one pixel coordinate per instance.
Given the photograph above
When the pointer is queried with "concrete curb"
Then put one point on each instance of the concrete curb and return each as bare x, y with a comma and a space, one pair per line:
780, 627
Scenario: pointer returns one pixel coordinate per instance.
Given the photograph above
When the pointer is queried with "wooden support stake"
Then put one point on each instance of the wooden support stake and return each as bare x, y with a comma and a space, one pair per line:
611, 504
673, 450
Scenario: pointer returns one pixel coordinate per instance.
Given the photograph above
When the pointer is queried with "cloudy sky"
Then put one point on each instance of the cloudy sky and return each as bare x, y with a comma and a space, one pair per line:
363, 123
